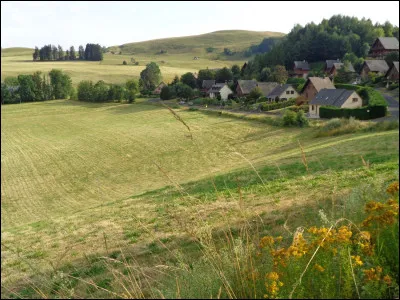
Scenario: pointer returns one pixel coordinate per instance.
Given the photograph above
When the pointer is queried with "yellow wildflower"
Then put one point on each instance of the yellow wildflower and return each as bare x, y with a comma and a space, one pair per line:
266, 241
387, 279
319, 268
357, 260
393, 188
272, 276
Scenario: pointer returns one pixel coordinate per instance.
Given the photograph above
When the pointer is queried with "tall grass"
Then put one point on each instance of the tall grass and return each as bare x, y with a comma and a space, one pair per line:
350, 252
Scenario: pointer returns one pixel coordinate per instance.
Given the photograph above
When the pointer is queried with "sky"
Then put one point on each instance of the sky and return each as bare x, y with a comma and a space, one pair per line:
110, 23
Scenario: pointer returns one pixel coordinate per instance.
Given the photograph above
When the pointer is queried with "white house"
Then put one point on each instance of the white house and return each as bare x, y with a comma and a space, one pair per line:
283, 92
221, 89
334, 97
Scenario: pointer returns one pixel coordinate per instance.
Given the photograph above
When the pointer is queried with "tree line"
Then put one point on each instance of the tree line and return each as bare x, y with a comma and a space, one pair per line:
36, 87
331, 39
92, 52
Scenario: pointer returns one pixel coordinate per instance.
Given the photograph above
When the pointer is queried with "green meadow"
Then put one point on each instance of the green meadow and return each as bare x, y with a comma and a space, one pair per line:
83, 180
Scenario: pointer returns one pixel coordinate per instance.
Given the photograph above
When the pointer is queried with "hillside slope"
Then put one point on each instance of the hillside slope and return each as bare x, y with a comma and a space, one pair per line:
237, 40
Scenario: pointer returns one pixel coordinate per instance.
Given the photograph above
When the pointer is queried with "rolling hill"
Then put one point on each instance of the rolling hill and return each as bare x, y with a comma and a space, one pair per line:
177, 60
237, 40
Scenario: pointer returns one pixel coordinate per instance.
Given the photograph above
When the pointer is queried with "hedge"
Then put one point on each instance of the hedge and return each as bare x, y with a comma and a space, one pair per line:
362, 113
271, 106
370, 96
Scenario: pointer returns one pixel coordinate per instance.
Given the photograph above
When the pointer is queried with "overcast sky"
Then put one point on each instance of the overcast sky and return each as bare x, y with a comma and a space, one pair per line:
109, 23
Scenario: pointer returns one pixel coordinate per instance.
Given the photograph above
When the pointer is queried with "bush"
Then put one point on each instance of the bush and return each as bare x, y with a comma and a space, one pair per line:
304, 108
167, 93
301, 119
332, 124
124, 63
289, 118
393, 86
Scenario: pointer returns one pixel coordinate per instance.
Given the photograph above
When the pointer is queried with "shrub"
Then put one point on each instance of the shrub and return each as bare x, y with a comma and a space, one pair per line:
289, 118
124, 62
301, 119
393, 86
167, 93
332, 124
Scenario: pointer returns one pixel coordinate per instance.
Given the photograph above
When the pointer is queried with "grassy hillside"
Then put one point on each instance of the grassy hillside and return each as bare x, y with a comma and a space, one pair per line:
81, 179
237, 40
177, 61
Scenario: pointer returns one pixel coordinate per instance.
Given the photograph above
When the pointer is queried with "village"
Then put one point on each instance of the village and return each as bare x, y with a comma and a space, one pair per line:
317, 91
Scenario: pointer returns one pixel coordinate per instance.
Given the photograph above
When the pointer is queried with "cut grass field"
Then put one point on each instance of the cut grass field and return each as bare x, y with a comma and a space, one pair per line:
81, 179
177, 61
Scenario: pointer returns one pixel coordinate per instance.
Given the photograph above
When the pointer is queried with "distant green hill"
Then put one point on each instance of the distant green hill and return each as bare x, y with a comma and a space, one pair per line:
236, 40
16, 51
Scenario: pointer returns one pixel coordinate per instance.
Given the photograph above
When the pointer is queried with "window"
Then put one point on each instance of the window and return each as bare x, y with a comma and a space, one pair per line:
292, 92
355, 99
287, 92
312, 107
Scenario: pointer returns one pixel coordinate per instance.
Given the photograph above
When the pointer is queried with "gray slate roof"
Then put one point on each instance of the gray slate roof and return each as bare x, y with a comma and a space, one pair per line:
267, 87
277, 91
330, 62
378, 65
207, 84
334, 97
216, 87
350, 67
303, 65
389, 43
247, 85
395, 66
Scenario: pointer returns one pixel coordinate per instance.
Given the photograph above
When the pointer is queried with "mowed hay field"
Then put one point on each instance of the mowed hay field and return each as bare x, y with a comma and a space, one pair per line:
111, 69
75, 175
178, 59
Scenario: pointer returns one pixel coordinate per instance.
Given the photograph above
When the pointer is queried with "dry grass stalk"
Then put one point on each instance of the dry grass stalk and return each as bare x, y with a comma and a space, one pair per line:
303, 156
179, 119
365, 163
352, 273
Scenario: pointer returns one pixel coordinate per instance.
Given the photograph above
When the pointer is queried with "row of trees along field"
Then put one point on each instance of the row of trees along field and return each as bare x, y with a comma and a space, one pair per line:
36, 87
331, 39
93, 52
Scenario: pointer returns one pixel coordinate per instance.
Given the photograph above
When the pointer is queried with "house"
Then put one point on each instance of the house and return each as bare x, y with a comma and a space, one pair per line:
393, 73
158, 89
283, 92
379, 67
221, 89
336, 66
383, 46
329, 64
334, 97
314, 84
244, 87
300, 69
267, 87
206, 85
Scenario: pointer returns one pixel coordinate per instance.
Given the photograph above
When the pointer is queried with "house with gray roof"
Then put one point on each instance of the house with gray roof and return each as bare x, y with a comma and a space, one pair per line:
244, 87
329, 64
393, 73
383, 46
221, 89
282, 92
206, 85
267, 87
334, 97
300, 69
348, 67
377, 66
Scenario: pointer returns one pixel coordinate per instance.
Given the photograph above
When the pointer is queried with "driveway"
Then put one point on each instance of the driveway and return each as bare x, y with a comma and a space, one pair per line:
393, 109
